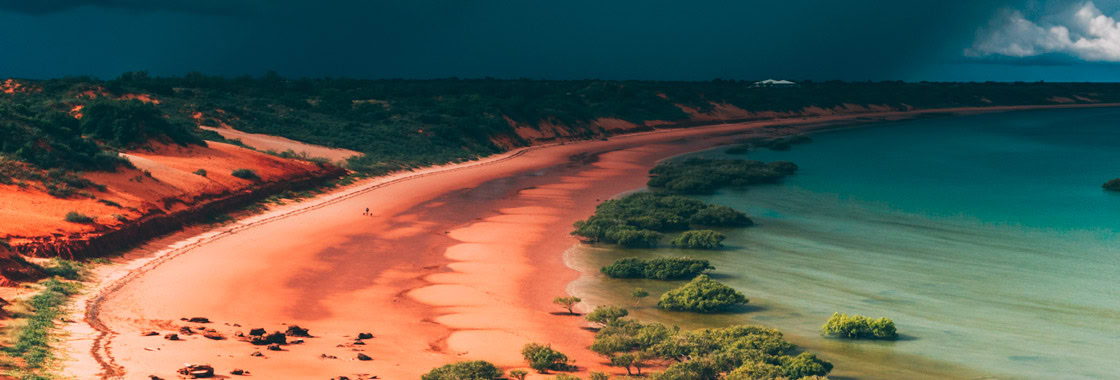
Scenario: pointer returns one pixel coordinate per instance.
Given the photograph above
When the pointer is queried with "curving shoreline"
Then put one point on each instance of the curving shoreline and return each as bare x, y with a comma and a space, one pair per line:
428, 296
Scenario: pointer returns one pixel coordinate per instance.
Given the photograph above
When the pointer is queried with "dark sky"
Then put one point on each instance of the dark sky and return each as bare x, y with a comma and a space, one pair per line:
622, 39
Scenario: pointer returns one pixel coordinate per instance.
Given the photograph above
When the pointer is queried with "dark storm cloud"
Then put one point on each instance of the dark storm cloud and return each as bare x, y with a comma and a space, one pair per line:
196, 6
572, 39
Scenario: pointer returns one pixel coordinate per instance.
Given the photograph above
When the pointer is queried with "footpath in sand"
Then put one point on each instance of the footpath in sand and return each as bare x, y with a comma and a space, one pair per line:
456, 263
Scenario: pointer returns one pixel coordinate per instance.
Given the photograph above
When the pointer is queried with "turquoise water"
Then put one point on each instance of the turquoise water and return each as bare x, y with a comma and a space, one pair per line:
986, 238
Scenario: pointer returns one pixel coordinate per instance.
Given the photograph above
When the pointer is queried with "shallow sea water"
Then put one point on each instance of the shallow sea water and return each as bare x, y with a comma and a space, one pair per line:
986, 238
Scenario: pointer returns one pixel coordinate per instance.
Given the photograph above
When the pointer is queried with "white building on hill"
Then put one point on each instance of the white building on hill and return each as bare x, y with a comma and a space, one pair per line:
775, 83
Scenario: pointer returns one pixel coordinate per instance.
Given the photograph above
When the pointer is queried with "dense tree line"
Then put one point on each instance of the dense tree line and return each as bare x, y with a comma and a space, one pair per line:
407, 123
704, 176
699, 239
48, 139
661, 268
779, 143
131, 123
637, 220
735, 352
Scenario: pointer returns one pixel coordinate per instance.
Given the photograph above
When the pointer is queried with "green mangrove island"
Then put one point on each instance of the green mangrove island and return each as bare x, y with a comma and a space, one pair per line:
859, 327
704, 175
702, 295
662, 268
639, 220
1112, 185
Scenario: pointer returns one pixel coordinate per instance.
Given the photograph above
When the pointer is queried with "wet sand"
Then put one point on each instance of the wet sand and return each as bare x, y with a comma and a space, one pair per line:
456, 263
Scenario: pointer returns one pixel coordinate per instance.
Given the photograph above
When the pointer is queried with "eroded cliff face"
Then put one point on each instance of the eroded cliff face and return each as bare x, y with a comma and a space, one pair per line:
14, 270
129, 234
169, 187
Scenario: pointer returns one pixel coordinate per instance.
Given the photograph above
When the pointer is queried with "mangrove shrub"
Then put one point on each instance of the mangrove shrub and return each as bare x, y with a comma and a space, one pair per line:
543, 358
702, 295
469, 370
1113, 184
859, 327
662, 268
704, 176
638, 220
699, 239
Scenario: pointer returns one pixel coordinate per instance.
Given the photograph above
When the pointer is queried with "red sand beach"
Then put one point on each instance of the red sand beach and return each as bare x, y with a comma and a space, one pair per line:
459, 262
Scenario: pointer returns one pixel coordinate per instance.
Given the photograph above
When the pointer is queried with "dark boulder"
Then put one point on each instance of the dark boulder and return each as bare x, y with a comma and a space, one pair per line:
197, 371
295, 330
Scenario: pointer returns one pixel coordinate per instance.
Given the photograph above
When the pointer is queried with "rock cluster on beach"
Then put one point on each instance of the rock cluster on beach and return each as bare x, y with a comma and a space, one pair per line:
274, 341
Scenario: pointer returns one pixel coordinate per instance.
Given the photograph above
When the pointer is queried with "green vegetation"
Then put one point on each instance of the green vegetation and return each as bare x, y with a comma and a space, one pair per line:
735, 352
201, 172
132, 123
638, 220
704, 176
77, 217
701, 295
606, 314
402, 124
720, 215
543, 358
33, 341
638, 294
470, 370
518, 374
859, 327
246, 174
781, 143
567, 303
699, 239
70, 270
1113, 185
56, 182
661, 268
33, 132
210, 135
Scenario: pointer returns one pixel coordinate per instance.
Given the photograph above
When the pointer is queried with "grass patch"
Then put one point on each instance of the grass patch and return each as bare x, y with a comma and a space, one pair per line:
77, 217
70, 270
246, 174
110, 203
33, 341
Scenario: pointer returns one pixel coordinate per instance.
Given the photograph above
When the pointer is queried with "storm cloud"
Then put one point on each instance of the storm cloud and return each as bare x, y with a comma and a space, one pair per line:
572, 39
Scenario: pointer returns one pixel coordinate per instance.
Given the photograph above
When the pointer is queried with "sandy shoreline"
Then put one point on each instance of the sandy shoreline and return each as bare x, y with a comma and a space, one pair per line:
458, 262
